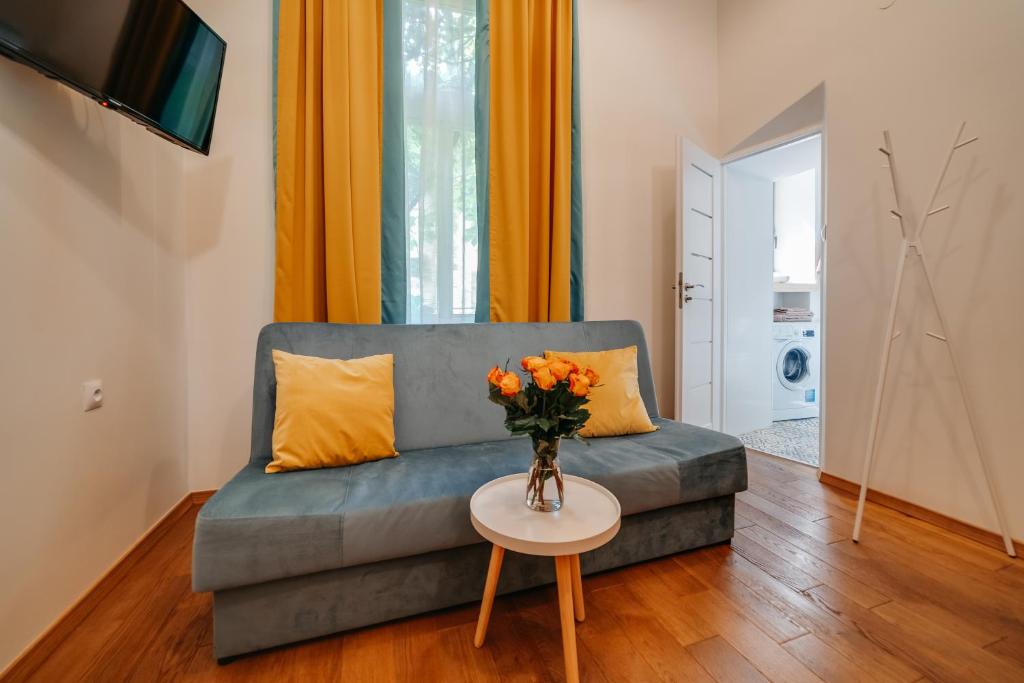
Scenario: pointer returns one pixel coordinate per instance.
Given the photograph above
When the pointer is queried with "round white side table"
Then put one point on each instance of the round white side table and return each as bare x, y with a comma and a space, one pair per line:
588, 519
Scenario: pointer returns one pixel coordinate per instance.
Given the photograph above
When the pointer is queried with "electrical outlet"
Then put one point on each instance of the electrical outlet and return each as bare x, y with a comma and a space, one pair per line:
92, 394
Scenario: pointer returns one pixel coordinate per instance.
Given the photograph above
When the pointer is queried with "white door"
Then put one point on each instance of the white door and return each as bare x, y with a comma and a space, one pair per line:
697, 201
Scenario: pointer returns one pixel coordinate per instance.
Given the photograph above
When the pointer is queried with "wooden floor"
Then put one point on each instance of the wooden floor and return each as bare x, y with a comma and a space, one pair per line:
792, 599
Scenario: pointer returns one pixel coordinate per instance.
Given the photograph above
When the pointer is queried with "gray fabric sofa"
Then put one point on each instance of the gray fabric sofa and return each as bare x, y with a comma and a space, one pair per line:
296, 555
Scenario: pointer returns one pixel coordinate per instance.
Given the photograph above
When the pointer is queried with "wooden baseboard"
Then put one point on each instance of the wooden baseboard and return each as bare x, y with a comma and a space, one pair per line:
956, 526
43, 646
200, 497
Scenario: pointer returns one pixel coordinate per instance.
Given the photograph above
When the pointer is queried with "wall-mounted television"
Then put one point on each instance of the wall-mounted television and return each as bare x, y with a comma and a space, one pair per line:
155, 61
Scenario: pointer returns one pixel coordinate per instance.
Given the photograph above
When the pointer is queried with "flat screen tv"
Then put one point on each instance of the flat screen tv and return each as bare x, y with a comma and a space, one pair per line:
155, 61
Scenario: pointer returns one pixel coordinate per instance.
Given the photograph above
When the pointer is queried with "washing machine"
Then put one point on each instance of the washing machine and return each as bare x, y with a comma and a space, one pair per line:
797, 354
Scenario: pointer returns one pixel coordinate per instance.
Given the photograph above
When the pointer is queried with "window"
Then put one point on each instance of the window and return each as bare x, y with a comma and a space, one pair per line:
438, 45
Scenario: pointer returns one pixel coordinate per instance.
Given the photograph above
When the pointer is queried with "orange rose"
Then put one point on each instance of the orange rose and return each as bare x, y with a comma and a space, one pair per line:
533, 363
561, 368
509, 384
592, 376
579, 384
494, 376
543, 378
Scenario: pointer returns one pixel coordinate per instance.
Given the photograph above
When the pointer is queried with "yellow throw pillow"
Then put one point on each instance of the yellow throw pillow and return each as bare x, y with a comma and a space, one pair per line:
332, 413
616, 407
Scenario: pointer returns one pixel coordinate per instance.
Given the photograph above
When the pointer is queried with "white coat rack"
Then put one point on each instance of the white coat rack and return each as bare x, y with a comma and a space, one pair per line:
912, 241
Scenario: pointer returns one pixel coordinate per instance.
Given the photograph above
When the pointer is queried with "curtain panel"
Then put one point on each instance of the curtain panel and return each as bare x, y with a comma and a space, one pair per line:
530, 164
328, 185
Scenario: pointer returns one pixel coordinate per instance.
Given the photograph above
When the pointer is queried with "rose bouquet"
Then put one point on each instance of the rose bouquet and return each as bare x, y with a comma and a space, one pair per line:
549, 407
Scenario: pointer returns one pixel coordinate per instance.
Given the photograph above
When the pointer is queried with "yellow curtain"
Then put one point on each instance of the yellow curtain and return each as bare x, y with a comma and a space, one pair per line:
328, 185
530, 159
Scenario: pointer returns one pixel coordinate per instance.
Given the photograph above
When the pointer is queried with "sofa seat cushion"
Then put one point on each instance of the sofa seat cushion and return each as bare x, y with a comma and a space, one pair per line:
261, 527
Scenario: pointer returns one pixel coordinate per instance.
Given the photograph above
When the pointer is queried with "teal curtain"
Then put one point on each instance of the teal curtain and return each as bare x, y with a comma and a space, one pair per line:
392, 215
576, 185
482, 115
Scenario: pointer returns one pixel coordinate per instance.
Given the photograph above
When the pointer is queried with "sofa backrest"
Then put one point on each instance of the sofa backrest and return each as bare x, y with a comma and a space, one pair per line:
440, 370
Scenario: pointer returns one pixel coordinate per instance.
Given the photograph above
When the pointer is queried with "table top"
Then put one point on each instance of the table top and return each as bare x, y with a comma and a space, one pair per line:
589, 517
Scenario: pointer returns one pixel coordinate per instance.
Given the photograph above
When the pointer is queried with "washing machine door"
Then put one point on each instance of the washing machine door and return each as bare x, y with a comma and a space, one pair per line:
793, 366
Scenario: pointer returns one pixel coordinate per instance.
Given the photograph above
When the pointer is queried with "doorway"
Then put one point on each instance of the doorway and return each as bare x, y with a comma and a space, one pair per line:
772, 312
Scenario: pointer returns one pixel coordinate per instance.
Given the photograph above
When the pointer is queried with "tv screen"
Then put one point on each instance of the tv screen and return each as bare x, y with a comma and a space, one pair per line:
154, 60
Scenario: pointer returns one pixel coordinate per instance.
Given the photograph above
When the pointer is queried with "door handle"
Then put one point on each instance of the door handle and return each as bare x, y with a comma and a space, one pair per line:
680, 286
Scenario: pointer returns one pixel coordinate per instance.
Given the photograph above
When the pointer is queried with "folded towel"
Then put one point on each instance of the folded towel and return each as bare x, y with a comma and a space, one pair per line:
793, 315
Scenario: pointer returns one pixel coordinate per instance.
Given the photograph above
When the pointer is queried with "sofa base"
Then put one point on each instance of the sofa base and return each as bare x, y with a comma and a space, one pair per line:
264, 615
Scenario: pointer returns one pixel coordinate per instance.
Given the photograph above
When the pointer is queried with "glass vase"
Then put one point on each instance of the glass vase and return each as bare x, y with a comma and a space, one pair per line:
544, 489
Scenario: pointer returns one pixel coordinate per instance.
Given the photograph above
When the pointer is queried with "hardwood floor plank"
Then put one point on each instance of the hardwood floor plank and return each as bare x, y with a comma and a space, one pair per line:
805, 526
540, 634
775, 622
648, 638
818, 569
1010, 648
937, 659
604, 635
724, 663
763, 652
173, 646
665, 600
741, 522
772, 564
478, 662
368, 655
870, 565
784, 499
943, 558
419, 655
782, 468
982, 664
974, 595
802, 610
828, 664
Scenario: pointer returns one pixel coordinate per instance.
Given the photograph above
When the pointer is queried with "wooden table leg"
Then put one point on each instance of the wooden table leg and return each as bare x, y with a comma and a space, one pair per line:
490, 588
577, 589
563, 572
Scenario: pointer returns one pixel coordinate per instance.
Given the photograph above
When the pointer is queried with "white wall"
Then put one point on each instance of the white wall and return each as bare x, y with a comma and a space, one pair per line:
648, 74
229, 219
92, 285
917, 69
